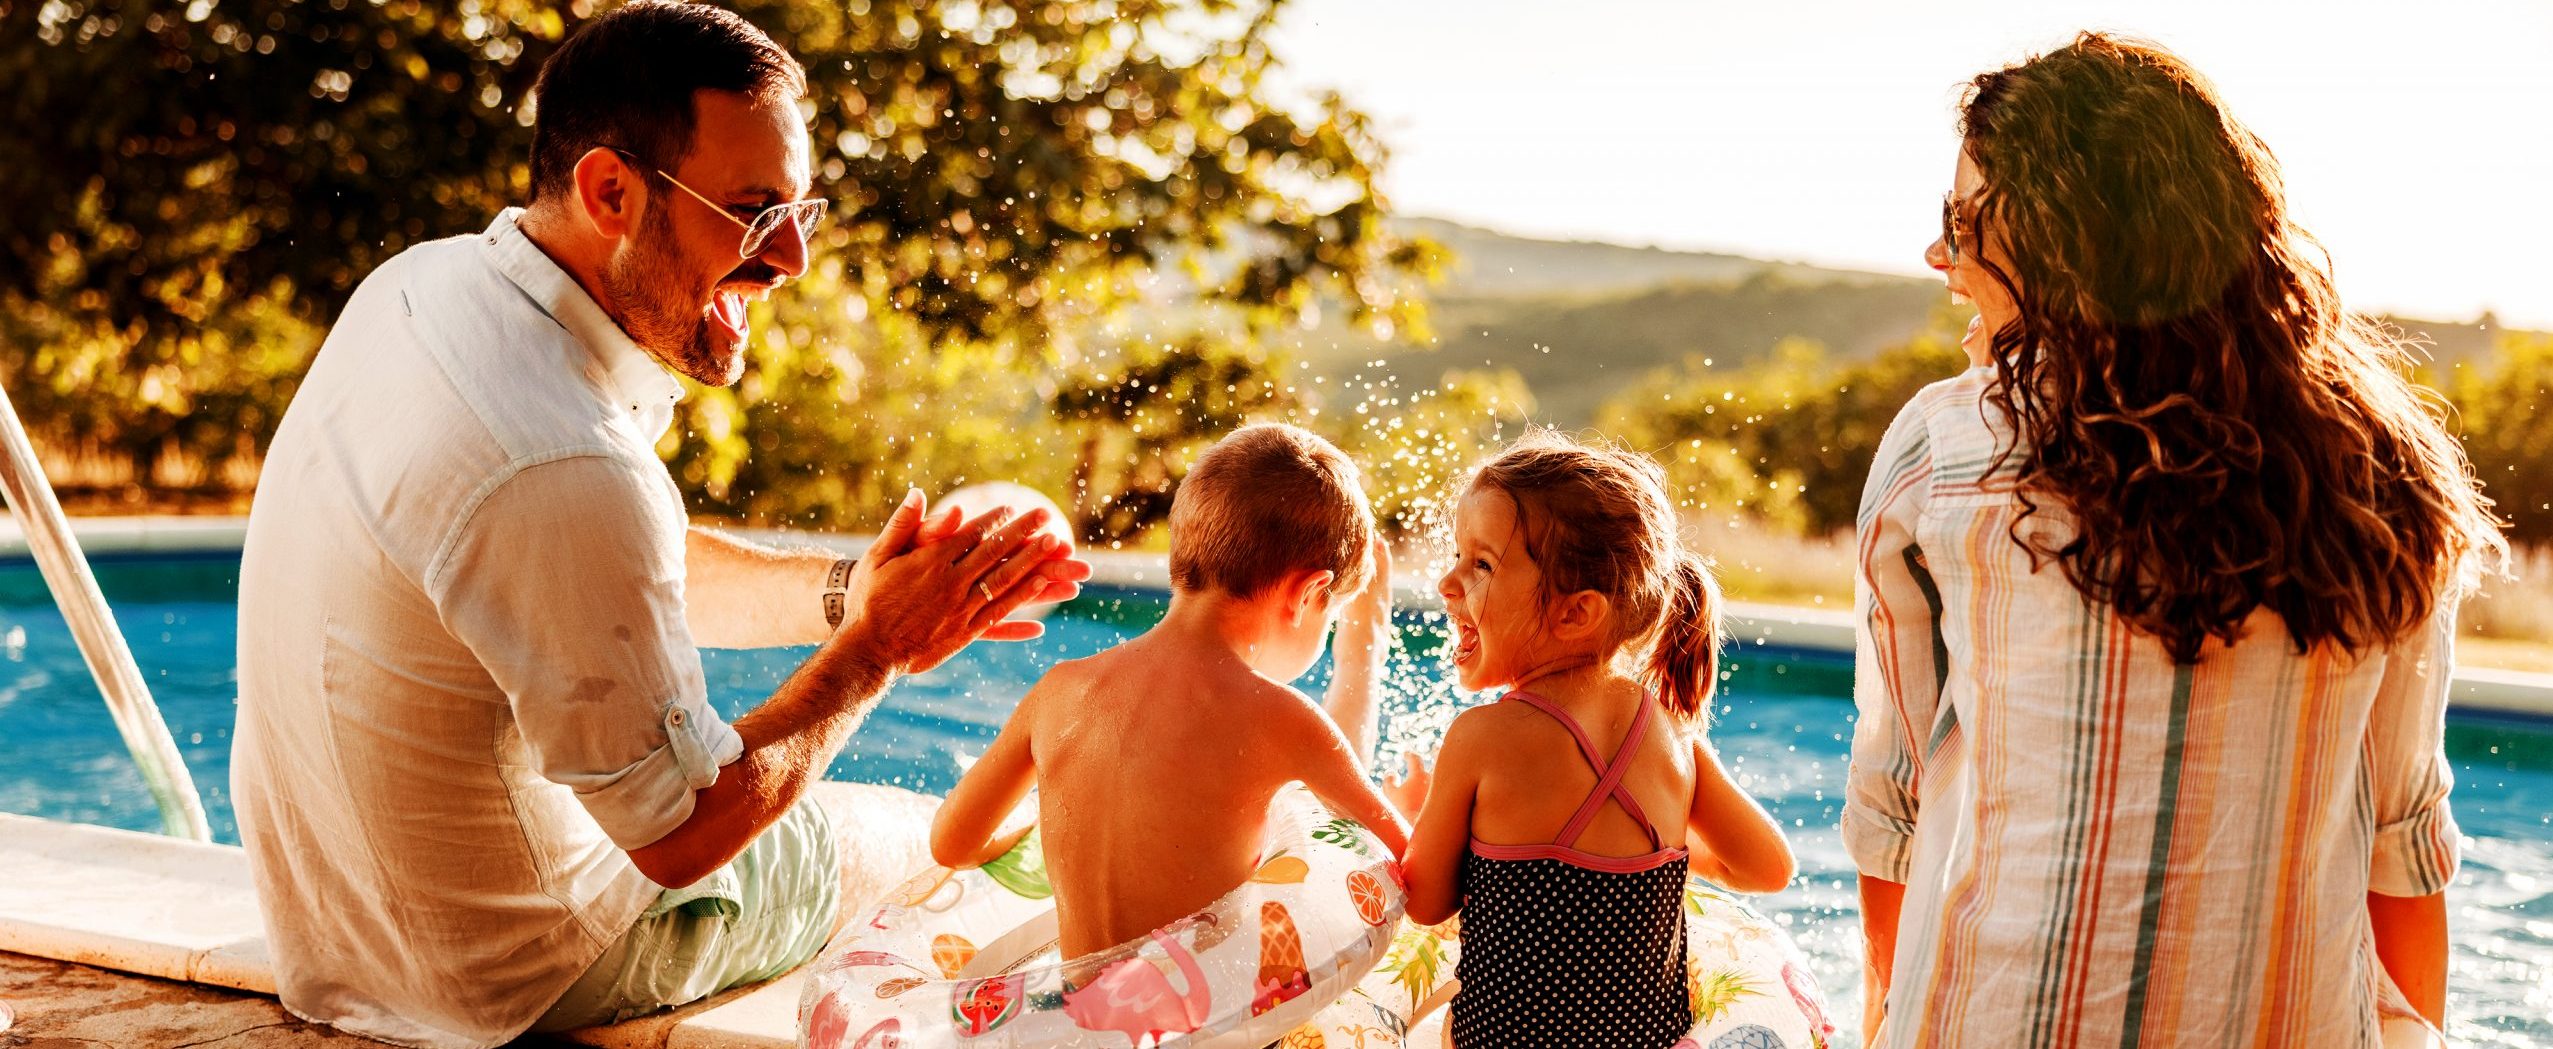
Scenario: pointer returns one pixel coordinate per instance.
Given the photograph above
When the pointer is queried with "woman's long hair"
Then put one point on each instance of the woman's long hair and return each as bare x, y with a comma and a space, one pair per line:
2182, 378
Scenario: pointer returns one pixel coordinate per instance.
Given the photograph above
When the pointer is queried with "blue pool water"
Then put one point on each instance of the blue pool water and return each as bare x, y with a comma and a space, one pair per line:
1784, 724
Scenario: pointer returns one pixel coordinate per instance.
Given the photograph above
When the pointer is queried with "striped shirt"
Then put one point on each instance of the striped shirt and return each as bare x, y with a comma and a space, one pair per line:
2100, 846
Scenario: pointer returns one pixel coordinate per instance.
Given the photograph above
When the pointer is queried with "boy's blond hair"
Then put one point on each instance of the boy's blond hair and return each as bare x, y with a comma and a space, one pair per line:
1266, 501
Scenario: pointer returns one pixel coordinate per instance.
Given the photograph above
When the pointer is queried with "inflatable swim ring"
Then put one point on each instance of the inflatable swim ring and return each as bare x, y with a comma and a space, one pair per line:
967, 958
1748, 983
1311, 954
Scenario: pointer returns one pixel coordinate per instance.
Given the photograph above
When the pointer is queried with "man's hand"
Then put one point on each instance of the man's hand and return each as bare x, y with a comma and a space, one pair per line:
929, 587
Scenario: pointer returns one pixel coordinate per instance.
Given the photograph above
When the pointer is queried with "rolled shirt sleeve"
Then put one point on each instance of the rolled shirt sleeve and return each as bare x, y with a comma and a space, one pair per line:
1898, 661
2417, 844
567, 582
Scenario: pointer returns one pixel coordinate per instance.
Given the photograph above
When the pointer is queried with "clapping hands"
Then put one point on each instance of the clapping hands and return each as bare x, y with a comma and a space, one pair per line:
934, 583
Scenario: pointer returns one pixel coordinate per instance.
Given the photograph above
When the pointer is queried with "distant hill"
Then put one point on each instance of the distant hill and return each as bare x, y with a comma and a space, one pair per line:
1581, 320
1488, 263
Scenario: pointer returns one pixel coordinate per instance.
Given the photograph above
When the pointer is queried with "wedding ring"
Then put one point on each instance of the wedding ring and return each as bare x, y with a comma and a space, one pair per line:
985, 589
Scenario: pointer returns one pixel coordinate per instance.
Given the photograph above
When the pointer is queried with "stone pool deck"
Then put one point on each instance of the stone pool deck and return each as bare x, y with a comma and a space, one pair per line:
61, 1005
65, 1006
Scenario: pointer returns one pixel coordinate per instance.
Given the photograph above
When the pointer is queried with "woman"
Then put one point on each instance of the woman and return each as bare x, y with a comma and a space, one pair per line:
2156, 606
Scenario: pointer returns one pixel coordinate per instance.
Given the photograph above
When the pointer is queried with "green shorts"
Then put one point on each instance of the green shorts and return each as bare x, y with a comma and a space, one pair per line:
762, 915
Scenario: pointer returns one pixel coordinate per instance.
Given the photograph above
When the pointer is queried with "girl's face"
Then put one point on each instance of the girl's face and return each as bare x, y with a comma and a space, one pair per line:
1493, 594
1968, 281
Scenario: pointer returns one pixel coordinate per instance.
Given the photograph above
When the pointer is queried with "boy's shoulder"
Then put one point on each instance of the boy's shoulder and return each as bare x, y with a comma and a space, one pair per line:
1135, 664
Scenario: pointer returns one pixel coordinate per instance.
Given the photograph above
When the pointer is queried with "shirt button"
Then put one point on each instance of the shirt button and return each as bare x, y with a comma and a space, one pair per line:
676, 718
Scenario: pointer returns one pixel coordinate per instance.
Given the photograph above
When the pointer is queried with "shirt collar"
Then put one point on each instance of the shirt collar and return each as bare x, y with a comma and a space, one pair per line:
628, 374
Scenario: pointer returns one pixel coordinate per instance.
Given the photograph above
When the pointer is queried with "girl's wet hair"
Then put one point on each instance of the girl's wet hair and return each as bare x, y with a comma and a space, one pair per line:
1596, 517
2183, 379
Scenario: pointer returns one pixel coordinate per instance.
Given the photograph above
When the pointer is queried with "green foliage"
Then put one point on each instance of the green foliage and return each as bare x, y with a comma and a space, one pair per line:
1790, 439
1136, 425
1415, 444
2501, 408
1001, 172
171, 242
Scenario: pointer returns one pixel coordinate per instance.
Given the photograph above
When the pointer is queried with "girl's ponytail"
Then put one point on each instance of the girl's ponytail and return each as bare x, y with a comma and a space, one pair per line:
1684, 664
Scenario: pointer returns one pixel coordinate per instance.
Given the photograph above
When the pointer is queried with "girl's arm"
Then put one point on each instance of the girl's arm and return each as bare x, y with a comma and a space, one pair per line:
1356, 655
962, 833
1434, 866
1735, 842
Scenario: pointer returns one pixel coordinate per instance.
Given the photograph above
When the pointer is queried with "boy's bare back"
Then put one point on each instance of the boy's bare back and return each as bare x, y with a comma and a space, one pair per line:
1155, 761
1156, 764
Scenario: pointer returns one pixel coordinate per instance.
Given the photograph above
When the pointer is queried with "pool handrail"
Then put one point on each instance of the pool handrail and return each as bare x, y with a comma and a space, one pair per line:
75, 592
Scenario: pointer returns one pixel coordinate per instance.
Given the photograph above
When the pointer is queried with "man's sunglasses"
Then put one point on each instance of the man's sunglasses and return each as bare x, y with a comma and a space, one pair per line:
765, 224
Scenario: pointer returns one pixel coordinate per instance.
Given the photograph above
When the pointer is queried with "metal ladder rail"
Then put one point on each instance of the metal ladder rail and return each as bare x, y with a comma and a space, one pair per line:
75, 592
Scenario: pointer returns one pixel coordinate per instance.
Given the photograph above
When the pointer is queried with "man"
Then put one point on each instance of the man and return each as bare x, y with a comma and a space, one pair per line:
476, 773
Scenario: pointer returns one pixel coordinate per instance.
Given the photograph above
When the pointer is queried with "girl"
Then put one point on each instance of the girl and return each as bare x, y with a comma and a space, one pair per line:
1560, 822
2155, 606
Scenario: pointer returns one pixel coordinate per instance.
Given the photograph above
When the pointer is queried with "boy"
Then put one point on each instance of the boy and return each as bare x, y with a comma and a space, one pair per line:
1156, 760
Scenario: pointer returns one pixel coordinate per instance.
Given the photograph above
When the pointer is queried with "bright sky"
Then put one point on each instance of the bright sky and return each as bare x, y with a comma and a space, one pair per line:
2416, 135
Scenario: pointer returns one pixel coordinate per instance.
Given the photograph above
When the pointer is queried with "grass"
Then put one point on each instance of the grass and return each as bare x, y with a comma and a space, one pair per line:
2508, 626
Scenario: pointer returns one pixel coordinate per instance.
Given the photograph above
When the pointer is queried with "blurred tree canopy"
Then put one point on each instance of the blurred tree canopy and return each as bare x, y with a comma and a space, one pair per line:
2501, 407
1790, 439
1003, 174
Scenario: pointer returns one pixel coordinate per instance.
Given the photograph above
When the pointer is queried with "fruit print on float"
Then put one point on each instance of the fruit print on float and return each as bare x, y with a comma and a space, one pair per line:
1281, 869
1367, 894
951, 952
1282, 974
979, 1006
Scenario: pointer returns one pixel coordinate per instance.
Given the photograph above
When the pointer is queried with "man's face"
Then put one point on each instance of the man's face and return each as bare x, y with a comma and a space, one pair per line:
677, 282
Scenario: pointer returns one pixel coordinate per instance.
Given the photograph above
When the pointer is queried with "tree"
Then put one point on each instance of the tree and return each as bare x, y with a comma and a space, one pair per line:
1414, 443
1002, 172
1138, 423
193, 187
2501, 409
1792, 437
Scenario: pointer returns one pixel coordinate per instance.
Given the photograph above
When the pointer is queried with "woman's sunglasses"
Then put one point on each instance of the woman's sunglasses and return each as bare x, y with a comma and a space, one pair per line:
1951, 221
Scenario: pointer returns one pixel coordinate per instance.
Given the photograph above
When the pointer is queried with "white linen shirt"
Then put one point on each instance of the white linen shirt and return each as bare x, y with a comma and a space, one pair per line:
466, 683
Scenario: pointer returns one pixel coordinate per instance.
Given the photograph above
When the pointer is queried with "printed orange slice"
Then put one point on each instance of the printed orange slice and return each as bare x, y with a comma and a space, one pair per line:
1367, 892
951, 952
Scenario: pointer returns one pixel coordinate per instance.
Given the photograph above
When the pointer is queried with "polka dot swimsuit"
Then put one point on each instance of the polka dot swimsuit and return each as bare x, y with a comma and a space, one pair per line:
1562, 947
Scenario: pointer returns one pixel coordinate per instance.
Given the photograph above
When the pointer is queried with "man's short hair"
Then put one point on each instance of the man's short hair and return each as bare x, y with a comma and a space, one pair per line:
1265, 502
626, 81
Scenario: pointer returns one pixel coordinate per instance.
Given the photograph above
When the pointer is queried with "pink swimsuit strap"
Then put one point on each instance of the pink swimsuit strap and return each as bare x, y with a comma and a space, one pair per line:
1608, 787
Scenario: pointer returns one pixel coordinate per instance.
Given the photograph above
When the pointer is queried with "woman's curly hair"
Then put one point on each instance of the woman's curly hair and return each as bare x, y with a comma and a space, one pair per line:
2182, 379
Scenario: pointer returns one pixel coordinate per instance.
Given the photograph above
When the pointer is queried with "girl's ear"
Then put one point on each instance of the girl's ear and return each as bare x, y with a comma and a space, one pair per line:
1581, 616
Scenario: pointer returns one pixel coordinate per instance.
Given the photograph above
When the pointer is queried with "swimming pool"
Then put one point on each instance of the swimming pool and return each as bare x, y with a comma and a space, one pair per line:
1784, 724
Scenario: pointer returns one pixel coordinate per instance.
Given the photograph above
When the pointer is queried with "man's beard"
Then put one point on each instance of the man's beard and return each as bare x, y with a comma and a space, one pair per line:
660, 314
